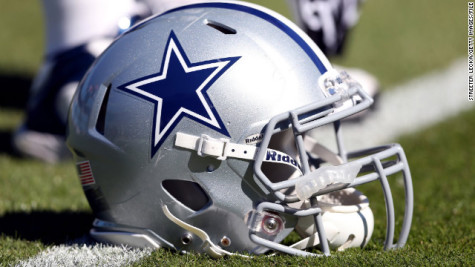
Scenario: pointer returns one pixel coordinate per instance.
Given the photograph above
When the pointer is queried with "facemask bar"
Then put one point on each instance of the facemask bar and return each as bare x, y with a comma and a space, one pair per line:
376, 156
374, 160
315, 211
303, 120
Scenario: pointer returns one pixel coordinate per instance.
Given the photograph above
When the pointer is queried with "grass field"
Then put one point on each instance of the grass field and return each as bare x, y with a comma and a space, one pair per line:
397, 40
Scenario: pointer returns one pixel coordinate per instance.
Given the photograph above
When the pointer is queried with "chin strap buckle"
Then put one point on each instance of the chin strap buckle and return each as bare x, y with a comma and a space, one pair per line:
221, 148
208, 146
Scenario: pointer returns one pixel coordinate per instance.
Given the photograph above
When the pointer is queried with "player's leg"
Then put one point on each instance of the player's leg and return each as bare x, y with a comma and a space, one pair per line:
76, 32
328, 24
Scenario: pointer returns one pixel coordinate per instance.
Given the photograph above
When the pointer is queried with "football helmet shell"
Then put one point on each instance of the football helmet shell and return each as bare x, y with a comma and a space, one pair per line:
189, 133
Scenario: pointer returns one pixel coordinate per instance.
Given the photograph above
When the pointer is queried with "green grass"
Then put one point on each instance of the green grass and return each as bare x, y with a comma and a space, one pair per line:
42, 205
13, 248
29, 185
21, 36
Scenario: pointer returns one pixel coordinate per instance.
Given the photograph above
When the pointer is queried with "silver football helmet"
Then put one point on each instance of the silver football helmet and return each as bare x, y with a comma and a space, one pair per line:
193, 132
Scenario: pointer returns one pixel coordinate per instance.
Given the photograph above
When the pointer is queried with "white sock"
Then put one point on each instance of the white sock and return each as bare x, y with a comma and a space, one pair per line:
74, 22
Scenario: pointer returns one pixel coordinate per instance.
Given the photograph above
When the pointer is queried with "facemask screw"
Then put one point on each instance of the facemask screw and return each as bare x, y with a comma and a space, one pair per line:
186, 239
270, 225
225, 241
210, 168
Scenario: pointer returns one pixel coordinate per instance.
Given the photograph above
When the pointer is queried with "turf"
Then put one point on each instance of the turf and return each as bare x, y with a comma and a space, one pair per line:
43, 205
21, 37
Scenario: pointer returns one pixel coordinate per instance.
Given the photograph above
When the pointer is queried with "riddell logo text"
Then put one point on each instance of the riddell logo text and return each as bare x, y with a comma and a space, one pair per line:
280, 157
253, 139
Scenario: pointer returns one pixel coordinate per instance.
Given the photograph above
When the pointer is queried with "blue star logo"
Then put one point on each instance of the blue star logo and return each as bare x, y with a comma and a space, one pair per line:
180, 90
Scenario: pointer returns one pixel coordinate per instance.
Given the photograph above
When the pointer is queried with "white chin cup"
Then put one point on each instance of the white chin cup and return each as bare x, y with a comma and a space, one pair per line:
347, 219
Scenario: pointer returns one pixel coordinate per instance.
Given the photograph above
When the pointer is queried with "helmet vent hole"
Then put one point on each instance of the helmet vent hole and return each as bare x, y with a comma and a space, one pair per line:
101, 118
187, 193
78, 153
220, 27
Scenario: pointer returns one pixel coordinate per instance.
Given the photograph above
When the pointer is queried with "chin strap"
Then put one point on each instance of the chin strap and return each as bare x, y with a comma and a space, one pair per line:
313, 240
322, 151
208, 246
222, 148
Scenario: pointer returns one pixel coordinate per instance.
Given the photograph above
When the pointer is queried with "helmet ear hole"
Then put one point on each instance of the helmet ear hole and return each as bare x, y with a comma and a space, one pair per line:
187, 193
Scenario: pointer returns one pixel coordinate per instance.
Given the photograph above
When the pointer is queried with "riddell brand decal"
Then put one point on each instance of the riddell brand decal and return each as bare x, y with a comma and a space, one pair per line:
254, 139
85, 173
276, 156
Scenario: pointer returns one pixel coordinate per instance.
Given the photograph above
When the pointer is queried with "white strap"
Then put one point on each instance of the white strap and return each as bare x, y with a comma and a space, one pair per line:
313, 240
308, 242
323, 152
219, 148
223, 148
